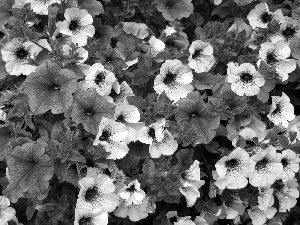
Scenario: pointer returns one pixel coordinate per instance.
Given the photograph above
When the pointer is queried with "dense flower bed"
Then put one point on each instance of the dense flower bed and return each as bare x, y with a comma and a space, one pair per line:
162, 112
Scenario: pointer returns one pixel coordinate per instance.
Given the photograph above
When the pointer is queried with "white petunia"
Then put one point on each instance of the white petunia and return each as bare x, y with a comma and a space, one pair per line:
233, 170
259, 217
290, 162
6, 213
152, 133
132, 193
86, 216
174, 78
99, 78
265, 198
96, 193
191, 194
155, 46
41, 6
276, 55
169, 31
119, 93
201, 57
234, 208
288, 195
110, 136
265, 167
244, 79
191, 177
260, 16
281, 110
77, 25
288, 30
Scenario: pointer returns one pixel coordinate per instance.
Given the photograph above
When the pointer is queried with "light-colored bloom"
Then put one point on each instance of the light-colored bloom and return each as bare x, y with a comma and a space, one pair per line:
2, 115
184, 221
86, 216
276, 55
288, 30
281, 110
201, 57
244, 79
265, 198
174, 78
19, 56
265, 167
234, 208
248, 134
154, 132
288, 195
135, 212
169, 31
290, 162
239, 25
77, 25
6, 212
132, 193
119, 93
41, 7
233, 170
260, 16
259, 217
155, 46
97, 194
110, 136
99, 78
191, 194
191, 177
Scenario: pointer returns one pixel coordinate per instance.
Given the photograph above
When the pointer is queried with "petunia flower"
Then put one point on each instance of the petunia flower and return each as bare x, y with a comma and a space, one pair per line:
19, 56
169, 30
275, 55
281, 110
119, 93
132, 193
135, 212
290, 162
265, 198
110, 135
191, 177
6, 213
184, 221
174, 79
86, 216
191, 193
155, 46
239, 25
99, 78
97, 194
288, 195
259, 217
41, 7
154, 132
175, 9
201, 57
288, 30
260, 16
233, 170
257, 38
265, 167
89, 108
233, 209
77, 25
244, 79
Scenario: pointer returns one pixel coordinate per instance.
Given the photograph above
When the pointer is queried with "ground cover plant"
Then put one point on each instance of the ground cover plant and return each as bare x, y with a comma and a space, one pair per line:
162, 112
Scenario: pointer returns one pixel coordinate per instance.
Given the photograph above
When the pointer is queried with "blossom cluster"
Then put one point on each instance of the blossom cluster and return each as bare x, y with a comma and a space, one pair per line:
159, 111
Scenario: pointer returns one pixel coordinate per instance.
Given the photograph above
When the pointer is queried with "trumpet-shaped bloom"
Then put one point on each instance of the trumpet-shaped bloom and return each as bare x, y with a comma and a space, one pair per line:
288, 195
110, 135
6, 212
77, 25
99, 78
119, 93
233, 170
281, 110
97, 194
259, 217
132, 193
191, 177
41, 7
290, 162
265, 167
174, 79
201, 57
275, 55
265, 198
86, 216
288, 30
244, 79
191, 194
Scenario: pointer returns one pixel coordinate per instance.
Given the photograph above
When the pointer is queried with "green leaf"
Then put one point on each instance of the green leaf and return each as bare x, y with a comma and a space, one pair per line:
50, 88
149, 168
284, 141
92, 6
30, 170
5, 6
139, 30
184, 159
3, 72
140, 77
207, 80
222, 11
197, 19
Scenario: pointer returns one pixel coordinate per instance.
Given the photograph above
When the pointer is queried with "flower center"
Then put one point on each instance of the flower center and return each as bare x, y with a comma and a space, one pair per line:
107, 172
232, 163
100, 77
289, 32
184, 175
53, 87
284, 162
271, 58
197, 53
113, 93
97, 35
277, 110
105, 135
21, 53
170, 43
131, 189
85, 221
194, 114
89, 112
170, 78
260, 165
121, 119
169, 4
249, 143
246, 77
266, 17
2, 34
73, 25
91, 194
151, 132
